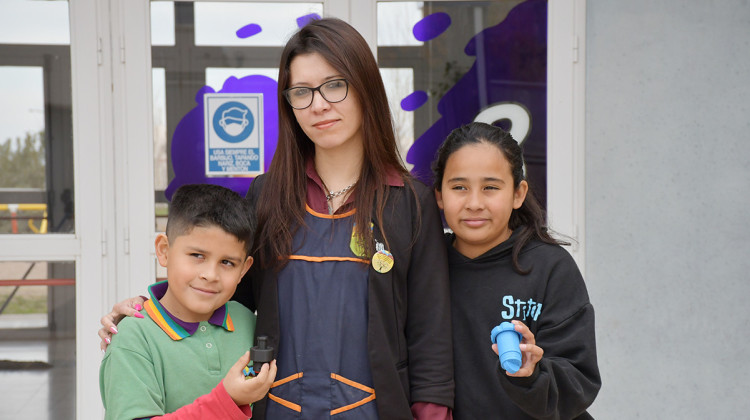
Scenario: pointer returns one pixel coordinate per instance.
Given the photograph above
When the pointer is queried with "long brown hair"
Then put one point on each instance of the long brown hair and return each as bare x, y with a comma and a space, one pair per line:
281, 206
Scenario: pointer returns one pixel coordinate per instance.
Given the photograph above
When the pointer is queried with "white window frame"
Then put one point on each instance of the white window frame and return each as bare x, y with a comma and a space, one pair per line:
566, 108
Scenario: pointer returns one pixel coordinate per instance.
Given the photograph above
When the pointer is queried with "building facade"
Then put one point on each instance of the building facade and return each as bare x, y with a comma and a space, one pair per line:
633, 118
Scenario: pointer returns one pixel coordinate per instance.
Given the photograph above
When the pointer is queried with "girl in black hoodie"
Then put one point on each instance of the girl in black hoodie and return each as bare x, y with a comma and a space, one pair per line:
504, 266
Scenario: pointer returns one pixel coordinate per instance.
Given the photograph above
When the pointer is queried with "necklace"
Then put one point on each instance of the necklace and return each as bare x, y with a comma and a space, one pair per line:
331, 195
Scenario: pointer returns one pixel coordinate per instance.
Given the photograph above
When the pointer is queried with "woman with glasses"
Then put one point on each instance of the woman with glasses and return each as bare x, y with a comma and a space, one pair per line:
350, 281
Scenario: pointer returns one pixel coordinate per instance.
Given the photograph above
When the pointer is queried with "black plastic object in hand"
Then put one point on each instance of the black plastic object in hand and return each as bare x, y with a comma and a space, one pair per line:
262, 353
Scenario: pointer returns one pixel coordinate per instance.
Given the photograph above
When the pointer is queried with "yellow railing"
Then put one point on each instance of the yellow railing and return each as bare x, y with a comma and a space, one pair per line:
15, 208
29, 207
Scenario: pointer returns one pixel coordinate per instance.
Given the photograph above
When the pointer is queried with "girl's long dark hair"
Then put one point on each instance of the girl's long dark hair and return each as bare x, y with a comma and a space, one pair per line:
529, 220
281, 206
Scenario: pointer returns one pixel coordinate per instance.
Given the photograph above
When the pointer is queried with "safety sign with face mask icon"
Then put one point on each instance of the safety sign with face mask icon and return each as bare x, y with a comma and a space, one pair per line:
234, 134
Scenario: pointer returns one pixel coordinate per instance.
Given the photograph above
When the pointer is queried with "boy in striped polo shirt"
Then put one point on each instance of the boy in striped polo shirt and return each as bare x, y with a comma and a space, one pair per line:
185, 360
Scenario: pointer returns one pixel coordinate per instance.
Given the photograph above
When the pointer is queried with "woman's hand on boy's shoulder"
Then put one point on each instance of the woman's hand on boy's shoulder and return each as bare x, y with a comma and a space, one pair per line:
128, 307
245, 390
531, 353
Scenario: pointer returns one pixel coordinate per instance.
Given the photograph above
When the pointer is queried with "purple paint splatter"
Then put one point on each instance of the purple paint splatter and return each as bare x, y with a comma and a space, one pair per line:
248, 30
431, 26
304, 20
414, 100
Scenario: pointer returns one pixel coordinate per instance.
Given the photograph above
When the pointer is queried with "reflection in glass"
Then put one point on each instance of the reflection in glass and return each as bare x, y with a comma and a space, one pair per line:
36, 141
23, 307
398, 84
162, 23
34, 22
22, 103
160, 128
483, 61
22, 151
37, 339
218, 23
395, 22
226, 41
215, 77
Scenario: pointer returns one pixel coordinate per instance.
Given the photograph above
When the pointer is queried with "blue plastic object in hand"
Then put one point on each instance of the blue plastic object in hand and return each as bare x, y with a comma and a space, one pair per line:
508, 342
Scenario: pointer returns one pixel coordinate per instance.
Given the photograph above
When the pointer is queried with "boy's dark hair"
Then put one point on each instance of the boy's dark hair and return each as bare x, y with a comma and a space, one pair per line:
529, 220
207, 205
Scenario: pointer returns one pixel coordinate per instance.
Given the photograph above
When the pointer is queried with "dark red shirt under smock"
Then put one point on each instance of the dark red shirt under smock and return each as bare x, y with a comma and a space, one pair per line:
316, 192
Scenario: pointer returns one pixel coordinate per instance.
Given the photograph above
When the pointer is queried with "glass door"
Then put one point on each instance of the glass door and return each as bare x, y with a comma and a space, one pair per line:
517, 64
51, 249
235, 49
449, 63
184, 51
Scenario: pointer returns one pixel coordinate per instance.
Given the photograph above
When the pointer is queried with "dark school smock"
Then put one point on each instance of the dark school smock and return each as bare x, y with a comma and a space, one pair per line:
323, 367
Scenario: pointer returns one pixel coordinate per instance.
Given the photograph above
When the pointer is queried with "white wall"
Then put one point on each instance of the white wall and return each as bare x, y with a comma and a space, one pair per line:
667, 200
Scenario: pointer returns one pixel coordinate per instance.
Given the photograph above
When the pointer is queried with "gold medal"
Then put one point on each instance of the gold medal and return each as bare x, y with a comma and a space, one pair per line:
382, 261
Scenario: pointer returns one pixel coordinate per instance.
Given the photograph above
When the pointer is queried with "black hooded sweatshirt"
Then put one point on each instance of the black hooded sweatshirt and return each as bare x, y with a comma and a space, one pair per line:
553, 302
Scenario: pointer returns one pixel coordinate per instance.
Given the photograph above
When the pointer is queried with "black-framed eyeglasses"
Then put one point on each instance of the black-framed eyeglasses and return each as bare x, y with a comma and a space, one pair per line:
332, 91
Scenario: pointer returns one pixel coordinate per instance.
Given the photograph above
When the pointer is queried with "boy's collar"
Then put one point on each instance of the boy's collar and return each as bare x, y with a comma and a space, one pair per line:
176, 328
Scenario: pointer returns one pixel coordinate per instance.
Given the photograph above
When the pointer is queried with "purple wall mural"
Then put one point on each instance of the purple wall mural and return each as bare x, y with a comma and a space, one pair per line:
188, 145
509, 72
510, 68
